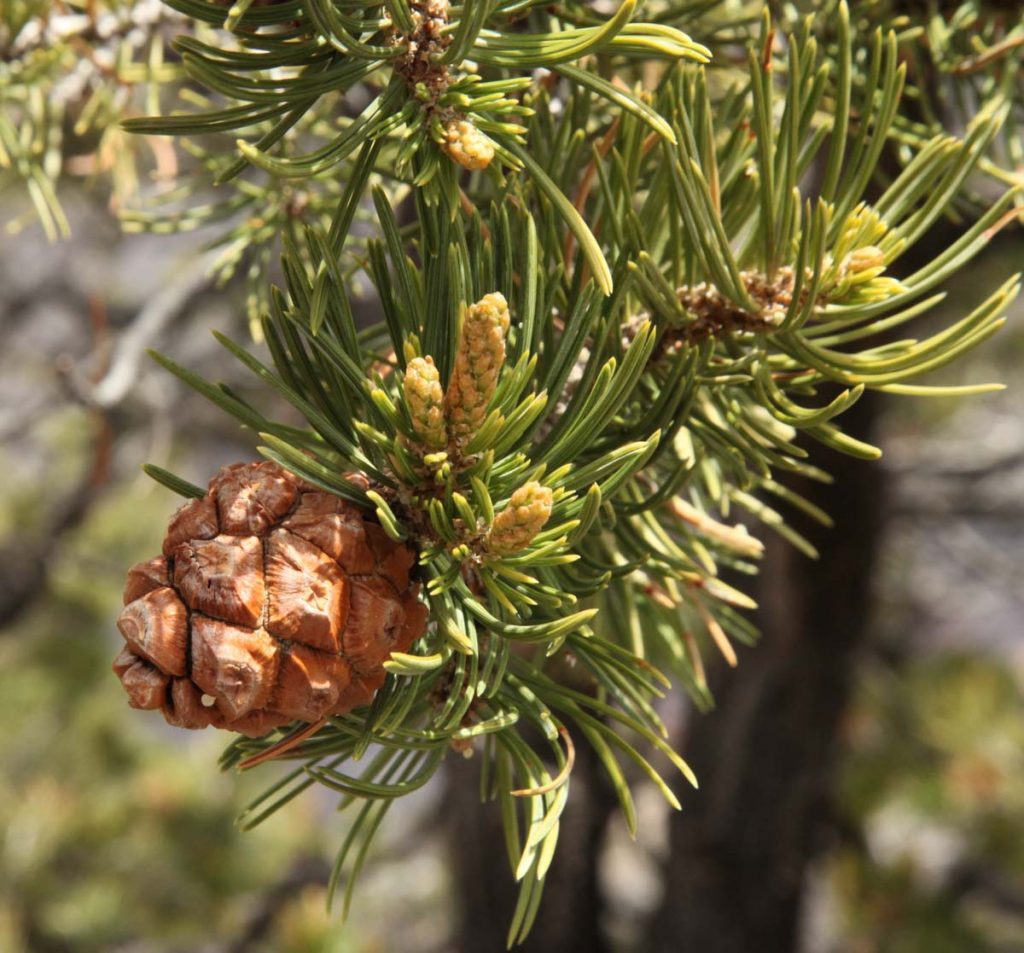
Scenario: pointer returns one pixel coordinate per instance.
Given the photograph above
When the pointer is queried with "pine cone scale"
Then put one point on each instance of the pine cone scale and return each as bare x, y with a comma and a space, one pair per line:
145, 684
251, 500
309, 682
393, 562
184, 707
197, 519
145, 577
234, 665
155, 626
222, 577
335, 528
307, 593
375, 619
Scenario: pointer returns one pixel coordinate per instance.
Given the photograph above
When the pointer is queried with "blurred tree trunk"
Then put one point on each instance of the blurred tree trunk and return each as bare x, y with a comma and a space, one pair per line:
741, 846
569, 920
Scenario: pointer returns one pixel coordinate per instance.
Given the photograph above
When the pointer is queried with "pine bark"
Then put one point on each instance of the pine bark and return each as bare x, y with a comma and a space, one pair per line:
740, 850
570, 917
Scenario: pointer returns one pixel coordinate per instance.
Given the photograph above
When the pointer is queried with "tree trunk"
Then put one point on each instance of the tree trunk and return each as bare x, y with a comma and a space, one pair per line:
569, 920
741, 846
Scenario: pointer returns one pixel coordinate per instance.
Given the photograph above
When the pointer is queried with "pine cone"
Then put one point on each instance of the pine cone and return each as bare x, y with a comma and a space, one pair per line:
272, 602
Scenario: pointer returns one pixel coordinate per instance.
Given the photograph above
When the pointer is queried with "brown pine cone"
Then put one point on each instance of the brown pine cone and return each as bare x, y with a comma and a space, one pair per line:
273, 601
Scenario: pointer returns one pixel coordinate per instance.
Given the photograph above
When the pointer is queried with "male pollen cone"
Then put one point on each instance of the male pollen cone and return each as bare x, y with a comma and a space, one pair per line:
272, 602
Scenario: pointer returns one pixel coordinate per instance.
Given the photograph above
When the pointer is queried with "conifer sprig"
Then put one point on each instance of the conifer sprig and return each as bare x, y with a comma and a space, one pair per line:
764, 297
959, 56
69, 73
428, 56
624, 300
441, 80
575, 518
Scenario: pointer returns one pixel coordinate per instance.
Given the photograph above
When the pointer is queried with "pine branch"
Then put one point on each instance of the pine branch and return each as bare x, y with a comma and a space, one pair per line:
629, 299
84, 66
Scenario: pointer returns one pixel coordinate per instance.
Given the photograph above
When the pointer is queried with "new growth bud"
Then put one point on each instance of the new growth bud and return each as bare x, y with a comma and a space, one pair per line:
864, 259
425, 400
467, 145
478, 363
515, 527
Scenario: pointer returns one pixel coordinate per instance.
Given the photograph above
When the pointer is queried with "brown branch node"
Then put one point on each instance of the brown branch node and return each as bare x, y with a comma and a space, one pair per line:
424, 46
715, 315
